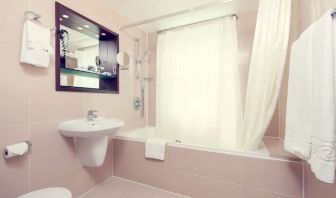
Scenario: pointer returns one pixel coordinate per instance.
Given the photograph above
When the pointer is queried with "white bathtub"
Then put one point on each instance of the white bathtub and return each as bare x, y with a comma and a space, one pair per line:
142, 134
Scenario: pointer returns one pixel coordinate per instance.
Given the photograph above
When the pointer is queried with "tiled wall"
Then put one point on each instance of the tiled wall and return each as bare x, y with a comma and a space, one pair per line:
202, 174
31, 108
315, 188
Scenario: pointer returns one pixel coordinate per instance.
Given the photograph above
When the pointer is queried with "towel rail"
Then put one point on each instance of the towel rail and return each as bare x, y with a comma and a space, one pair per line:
333, 13
35, 16
32, 15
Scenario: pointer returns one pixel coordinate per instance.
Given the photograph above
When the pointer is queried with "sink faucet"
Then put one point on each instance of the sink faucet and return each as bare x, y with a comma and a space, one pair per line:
91, 115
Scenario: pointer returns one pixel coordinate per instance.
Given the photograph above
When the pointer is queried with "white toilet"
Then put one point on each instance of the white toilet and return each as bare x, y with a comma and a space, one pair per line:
55, 192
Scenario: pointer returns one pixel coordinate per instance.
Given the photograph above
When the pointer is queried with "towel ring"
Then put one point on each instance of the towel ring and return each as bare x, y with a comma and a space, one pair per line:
32, 15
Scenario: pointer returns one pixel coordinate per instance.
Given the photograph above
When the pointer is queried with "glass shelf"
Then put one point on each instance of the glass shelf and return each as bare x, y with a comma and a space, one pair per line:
84, 73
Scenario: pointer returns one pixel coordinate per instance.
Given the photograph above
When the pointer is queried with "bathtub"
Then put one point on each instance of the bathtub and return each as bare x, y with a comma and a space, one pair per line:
142, 134
201, 171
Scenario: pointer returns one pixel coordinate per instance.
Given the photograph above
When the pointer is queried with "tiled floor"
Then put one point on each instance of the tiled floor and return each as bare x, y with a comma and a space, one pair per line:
120, 188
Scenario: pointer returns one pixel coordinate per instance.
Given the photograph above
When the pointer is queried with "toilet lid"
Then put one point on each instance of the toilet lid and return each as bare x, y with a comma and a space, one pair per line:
54, 192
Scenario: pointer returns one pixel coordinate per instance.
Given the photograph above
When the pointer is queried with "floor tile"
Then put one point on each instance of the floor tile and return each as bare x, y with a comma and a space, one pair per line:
119, 188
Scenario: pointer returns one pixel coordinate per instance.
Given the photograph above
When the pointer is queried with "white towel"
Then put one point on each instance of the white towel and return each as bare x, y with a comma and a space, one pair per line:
155, 148
35, 47
310, 118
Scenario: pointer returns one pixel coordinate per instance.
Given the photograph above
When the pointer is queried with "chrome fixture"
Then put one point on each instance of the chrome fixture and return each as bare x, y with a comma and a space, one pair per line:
210, 5
333, 12
34, 16
142, 107
91, 115
139, 61
137, 104
143, 56
30, 144
198, 22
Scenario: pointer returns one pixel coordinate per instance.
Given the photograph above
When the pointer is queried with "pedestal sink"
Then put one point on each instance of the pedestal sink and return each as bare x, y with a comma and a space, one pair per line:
90, 137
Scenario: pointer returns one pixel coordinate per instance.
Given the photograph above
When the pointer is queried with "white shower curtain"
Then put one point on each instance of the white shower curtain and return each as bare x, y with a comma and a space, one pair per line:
266, 69
198, 87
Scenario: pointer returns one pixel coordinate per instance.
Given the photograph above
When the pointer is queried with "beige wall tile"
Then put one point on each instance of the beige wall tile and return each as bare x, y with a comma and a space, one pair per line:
78, 183
273, 128
184, 171
52, 166
12, 31
218, 166
46, 136
257, 193
14, 106
275, 176
14, 179
51, 106
12, 72
175, 181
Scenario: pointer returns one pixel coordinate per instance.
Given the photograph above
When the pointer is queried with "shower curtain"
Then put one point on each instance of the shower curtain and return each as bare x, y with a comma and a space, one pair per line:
266, 69
198, 87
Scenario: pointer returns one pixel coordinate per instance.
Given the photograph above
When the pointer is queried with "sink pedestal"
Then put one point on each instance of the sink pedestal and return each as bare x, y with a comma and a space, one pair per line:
91, 151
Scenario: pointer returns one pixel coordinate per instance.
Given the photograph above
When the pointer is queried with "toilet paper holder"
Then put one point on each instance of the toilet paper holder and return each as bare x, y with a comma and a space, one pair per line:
8, 154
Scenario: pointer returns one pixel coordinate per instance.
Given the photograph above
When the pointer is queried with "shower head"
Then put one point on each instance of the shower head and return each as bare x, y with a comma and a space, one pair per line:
143, 56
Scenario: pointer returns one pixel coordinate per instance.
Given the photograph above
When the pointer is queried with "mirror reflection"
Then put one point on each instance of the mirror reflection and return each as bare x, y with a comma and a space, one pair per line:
86, 55
79, 52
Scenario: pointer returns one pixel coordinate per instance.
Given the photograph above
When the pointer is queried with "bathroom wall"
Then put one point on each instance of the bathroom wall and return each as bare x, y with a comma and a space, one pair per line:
31, 108
307, 12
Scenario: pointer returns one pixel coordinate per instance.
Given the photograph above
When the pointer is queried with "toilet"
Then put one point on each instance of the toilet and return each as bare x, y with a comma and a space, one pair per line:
55, 192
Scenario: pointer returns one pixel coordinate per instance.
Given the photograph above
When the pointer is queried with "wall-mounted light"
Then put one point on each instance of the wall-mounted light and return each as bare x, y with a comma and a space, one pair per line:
103, 34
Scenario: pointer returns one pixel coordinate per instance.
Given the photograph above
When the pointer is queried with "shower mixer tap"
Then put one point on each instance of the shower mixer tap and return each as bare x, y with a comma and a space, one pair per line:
137, 104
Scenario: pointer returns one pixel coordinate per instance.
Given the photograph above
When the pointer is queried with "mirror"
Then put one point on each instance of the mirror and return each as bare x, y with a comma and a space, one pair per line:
123, 60
86, 54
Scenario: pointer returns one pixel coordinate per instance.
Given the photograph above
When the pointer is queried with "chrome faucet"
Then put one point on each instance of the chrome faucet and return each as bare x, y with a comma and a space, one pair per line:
91, 115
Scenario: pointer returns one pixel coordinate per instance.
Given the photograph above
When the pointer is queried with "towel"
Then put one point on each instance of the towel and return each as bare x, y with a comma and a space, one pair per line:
155, 148
311, 113
35, 47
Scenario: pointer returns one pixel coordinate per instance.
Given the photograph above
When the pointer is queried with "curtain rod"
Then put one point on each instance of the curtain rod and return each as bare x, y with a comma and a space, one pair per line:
175, 14
198, 22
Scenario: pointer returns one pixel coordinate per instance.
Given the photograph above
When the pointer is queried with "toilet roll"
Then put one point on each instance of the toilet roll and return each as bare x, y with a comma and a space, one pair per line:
15, 150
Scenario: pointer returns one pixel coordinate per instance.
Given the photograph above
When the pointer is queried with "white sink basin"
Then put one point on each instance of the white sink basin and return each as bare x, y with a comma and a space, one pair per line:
98, 127
91, 137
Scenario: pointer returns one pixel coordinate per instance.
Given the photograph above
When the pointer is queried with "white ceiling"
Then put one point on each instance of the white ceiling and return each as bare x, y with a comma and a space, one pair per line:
138, 10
